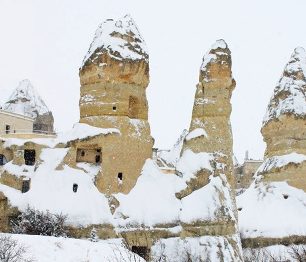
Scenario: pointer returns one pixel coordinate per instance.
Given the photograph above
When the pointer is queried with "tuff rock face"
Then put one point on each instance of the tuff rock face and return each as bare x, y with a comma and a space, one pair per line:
25, 100
284, 125
114, 77
206, 156
210, 129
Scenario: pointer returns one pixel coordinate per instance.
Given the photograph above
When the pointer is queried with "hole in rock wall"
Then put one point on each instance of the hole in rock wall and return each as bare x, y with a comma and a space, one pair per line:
29, 157
3, 160
120, 176
7, 129
285, 196
25, 186
142, 251
114, 108
75, 188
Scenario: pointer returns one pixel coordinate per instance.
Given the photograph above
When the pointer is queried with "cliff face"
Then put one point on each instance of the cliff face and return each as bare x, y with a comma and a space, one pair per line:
284, 125
114, 77
25, 100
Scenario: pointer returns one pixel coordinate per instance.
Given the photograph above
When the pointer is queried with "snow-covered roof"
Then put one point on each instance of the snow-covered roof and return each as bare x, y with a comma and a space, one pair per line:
79, 131
289, 95
120, 38
26, 101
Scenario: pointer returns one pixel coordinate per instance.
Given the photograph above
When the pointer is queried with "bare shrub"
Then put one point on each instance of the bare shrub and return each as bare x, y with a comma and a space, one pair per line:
34, 222
298, 253
11, 251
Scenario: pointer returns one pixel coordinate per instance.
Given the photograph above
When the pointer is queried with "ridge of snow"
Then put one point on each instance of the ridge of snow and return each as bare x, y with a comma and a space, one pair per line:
130, 46
281, 161
26, 101
198, 132
289, 95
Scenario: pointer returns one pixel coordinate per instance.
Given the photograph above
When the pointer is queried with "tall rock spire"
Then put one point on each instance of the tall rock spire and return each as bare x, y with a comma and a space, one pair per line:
206, 159
210, 128
114, 77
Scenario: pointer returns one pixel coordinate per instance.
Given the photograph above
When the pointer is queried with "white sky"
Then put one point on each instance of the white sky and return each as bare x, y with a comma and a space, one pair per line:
46, 41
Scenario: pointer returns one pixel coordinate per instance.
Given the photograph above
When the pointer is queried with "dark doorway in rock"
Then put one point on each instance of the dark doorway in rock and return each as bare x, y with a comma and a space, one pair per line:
25, 186
75, 188
29, 157
7, 129
142, 251
3, 160
120, 176
98, 159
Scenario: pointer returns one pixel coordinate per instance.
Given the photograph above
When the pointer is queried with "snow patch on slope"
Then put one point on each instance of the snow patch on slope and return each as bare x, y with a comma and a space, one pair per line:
265, 212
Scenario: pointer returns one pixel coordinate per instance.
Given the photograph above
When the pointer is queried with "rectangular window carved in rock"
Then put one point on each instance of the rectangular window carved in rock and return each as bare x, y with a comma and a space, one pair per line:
89, 155
29, 157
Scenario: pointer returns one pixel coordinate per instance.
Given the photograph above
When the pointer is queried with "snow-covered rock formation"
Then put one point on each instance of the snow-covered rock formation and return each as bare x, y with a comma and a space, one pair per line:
206, 165
273, 210
26, 101
114, 77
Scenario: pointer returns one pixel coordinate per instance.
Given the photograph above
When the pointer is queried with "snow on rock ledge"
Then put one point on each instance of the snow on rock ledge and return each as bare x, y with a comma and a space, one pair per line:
280, 161
196, 133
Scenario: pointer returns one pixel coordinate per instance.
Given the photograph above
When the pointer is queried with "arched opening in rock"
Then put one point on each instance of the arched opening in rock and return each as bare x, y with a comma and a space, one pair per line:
142, 251
3, 160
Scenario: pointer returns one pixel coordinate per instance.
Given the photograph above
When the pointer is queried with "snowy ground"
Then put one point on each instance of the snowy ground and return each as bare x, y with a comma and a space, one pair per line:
53, 249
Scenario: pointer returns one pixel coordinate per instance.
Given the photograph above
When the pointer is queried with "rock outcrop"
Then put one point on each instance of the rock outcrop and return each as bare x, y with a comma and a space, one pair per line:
114, 77
210, 129
284, 126
206, 163
26, 101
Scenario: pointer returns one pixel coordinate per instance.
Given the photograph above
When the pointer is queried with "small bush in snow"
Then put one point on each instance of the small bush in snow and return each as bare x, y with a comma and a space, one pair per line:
11, 251
93, 235
34, 222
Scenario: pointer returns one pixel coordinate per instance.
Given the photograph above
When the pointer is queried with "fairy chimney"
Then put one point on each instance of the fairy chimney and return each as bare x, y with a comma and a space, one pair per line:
210, 128
114, 77
284, 125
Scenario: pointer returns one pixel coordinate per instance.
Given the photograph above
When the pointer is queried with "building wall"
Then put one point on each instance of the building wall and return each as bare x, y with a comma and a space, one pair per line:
18, 123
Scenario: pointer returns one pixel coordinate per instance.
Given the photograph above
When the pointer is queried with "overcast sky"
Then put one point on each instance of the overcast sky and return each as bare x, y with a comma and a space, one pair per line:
45, 41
